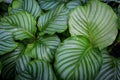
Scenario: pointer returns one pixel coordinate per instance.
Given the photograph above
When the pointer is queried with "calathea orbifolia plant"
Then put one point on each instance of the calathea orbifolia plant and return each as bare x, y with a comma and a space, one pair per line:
32, 48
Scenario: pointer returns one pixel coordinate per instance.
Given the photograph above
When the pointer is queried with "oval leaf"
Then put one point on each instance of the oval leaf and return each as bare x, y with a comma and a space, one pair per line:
54, 21
43, 48
22, 24
37, 70
7, 43
14, 62
76, 59
97, 21
110, 69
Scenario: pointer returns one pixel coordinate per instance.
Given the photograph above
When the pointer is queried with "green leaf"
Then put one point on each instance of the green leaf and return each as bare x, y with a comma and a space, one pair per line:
1, 0
48, 4
119, 16
110, 69
22, 24
30, 6
7, 43
97, 21
14, 62
37, 70
16, 4
44, 48
72, 4
51, 4
76, 59
54, 21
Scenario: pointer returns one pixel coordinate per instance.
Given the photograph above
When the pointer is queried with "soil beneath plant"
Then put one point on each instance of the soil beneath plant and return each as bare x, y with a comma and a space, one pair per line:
116, 51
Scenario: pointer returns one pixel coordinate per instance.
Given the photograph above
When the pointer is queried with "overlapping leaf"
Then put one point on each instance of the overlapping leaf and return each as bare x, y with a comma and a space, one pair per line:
48, 4
14, 62
110, 69
72, 4
43, 48
54, 21
22, 24
97, 21
76, 59
7, 43
30, 6
51, 4
37, 70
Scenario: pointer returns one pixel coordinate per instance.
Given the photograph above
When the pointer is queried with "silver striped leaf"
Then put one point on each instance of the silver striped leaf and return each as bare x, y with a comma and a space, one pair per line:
22, 24
110, 69
7, 43
77, 59
96, 21
54, 20
48, 4
14, 62
44, 48
37, 70
31, 6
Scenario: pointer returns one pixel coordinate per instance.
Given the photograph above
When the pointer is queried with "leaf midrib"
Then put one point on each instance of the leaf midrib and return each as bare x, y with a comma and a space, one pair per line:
53, 17
15, 26
81, 58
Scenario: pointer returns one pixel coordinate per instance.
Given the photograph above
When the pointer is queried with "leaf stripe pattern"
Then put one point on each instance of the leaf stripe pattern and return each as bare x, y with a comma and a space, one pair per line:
21, 63
44, 48
14, 62
54, 20
76, 59
7, 43
37, 70
48, 5
22, 24
32, 6
110, 69
72, 4
97, 21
